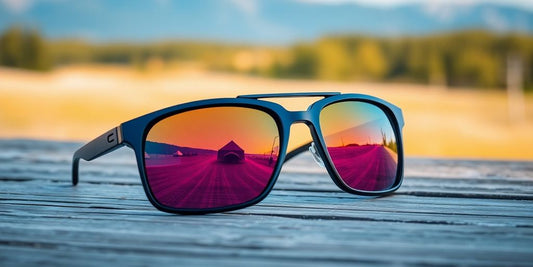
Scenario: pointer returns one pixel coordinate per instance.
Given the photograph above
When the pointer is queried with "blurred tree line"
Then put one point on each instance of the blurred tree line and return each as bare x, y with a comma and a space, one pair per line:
23, 48
215, 56
467, 58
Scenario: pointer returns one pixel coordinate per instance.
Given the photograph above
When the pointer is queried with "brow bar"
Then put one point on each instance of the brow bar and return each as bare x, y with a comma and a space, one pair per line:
100, 146
312, 94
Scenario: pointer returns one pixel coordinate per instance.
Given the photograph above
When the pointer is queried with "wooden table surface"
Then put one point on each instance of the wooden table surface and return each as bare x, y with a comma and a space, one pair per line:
448, 212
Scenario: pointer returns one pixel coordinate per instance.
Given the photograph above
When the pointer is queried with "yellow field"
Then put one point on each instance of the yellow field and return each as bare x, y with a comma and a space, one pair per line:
81, 102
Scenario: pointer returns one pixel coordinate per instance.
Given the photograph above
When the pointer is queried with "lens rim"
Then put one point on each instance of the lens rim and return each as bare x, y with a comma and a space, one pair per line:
154, 122
146, 122
330, 166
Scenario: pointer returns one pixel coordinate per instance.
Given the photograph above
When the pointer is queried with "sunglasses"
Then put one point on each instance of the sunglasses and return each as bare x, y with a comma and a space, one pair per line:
225, 154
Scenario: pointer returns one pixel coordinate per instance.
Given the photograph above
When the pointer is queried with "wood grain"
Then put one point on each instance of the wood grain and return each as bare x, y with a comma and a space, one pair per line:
448, 212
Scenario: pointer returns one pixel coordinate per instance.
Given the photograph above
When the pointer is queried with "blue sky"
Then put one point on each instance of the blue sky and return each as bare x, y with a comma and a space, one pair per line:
388, 3
259, 21
20, 6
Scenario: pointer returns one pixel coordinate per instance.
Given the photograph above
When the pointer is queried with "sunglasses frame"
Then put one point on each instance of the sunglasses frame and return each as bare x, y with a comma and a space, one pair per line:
130, 134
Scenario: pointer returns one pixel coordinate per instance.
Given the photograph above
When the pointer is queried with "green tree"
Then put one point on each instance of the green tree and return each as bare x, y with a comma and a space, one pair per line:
22, 48
370, 63
10, 47
436, 69
417, 62
35, 56
333, 60
304, 63
475, 67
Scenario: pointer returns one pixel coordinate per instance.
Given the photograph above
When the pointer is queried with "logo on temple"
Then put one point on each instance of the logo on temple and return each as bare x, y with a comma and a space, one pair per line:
230, 153
110, 138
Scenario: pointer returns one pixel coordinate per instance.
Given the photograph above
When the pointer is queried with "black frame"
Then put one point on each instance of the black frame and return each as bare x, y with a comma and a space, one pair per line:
133, 134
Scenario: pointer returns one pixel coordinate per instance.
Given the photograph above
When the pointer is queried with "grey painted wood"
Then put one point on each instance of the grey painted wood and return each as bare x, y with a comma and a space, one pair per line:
448, 212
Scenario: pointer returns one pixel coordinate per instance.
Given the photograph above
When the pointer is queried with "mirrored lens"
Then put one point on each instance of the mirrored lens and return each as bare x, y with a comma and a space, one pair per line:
211, 157
361, 143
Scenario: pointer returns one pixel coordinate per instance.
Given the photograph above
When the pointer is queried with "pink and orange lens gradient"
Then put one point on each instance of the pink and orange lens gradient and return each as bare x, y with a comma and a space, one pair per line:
211, 157
361, 143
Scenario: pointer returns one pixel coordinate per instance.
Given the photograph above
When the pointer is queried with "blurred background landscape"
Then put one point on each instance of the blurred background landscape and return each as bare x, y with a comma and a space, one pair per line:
462, 71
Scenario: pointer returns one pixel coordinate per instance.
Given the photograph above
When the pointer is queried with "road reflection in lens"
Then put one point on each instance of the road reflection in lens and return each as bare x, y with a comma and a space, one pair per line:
211, 157
361, 143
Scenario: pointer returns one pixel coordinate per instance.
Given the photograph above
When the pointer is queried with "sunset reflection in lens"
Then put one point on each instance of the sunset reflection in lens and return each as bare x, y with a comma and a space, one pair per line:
211, 157
361, 143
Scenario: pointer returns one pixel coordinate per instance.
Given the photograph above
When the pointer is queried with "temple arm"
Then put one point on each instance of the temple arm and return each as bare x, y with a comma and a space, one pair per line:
100, 146
296, 151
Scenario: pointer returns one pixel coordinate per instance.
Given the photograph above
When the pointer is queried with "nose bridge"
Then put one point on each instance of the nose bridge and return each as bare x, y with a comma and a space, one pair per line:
301, 117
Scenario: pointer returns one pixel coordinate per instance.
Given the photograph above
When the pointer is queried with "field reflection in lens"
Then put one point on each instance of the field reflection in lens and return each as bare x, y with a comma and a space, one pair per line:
361, 143
211, 157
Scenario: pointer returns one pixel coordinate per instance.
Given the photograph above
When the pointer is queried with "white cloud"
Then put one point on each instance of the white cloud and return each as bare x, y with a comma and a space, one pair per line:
495, 20
445, 11
17, 6
527, 4
249, 7
21, 6
254, 19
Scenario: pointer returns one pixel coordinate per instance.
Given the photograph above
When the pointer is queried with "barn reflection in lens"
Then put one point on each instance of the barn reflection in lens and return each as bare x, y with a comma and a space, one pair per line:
211, 157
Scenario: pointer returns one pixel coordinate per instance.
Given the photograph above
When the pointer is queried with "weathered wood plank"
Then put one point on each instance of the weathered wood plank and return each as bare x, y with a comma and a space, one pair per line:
448, 212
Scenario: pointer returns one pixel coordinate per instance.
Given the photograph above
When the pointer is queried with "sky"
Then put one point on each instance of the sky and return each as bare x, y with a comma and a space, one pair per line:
250, 6
259, 21
212, 128
389, 3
